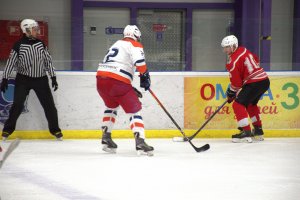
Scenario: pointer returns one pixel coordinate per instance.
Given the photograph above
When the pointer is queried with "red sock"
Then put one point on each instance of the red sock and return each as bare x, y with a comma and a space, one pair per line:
241, 115
253, 112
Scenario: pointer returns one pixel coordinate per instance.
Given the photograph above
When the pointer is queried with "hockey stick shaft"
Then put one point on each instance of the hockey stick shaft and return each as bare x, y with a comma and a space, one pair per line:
13, 145
203, 148
208, 120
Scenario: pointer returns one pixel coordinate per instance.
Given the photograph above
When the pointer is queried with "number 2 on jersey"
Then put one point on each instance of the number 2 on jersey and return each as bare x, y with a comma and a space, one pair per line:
111, 53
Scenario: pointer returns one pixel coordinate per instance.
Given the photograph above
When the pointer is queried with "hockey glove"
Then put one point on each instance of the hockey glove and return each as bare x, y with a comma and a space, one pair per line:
145, 81
4, 85
54, 83
230, 95
138, 93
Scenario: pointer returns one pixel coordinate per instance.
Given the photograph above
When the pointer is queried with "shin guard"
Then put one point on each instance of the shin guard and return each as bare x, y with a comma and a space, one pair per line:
109, 118
137, 124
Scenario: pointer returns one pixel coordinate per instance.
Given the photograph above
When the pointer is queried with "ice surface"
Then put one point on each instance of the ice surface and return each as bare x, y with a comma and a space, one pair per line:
79, 169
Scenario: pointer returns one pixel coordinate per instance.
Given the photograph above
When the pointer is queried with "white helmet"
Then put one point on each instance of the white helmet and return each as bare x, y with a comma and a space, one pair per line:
28, 24
132, 31
229, 41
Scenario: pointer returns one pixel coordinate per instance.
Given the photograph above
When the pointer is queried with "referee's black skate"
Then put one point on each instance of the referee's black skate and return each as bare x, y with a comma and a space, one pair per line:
258, 133
107, 143
141, 146
243, 136
58, 135
5, 135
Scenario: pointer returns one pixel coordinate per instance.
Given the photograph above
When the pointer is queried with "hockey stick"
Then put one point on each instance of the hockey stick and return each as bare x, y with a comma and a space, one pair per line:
181, 139
197, 149
13, 145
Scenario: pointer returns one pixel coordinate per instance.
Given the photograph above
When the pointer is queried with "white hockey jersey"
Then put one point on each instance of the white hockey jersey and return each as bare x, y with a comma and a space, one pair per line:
123, 58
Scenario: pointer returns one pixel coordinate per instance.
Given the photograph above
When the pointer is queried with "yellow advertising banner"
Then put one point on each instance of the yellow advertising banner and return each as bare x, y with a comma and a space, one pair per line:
279, 106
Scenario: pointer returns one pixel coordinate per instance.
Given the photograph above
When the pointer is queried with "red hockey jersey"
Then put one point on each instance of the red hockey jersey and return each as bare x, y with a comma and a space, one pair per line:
243, 68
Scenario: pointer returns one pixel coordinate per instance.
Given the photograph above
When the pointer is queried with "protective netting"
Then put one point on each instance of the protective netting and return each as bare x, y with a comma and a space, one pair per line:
163, 39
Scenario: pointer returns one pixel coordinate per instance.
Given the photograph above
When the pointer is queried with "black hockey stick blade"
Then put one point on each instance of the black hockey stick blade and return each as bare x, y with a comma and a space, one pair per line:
13, 145
197, 149
203, 148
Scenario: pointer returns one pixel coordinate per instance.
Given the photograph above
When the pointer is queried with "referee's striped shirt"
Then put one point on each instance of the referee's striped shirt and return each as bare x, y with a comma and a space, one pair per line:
29, 57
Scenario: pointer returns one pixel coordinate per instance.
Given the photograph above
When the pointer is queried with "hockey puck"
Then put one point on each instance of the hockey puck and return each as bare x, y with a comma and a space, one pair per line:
178, 139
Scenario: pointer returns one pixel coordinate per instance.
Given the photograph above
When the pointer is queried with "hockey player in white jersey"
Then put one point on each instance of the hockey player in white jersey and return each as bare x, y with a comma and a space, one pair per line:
114, 76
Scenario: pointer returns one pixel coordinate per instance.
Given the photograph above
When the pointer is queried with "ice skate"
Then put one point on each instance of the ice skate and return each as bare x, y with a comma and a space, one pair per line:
58, 136
141, 146
107, 143
243, 136
258, 133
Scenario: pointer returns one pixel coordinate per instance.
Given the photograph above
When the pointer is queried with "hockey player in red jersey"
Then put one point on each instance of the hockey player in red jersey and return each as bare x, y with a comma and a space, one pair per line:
114, 76
248, 82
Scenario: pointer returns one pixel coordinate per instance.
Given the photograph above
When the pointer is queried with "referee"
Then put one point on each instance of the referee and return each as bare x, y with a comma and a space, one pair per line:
31, 59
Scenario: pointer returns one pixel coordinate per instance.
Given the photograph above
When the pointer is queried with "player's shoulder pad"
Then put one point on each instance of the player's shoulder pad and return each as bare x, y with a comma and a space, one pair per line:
241, 49
134, 43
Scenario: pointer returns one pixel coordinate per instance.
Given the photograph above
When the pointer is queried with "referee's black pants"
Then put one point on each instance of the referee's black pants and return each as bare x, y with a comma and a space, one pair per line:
23, 84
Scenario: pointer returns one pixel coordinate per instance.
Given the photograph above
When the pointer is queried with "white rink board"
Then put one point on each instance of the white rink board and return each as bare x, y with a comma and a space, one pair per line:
80, 107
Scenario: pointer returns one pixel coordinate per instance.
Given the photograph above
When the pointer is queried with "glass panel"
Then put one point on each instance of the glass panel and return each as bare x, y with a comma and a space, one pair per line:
56, 13
163, 39
209, 28
282, 35
101, 30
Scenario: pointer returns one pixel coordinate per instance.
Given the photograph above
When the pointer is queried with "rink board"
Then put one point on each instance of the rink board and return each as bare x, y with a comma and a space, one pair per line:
80, 108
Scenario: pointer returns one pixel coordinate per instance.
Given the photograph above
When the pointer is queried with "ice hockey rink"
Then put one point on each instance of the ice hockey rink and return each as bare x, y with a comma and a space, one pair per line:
79, 169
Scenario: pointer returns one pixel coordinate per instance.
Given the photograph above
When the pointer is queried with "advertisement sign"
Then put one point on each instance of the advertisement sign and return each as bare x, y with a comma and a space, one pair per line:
6, 101
279, 106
